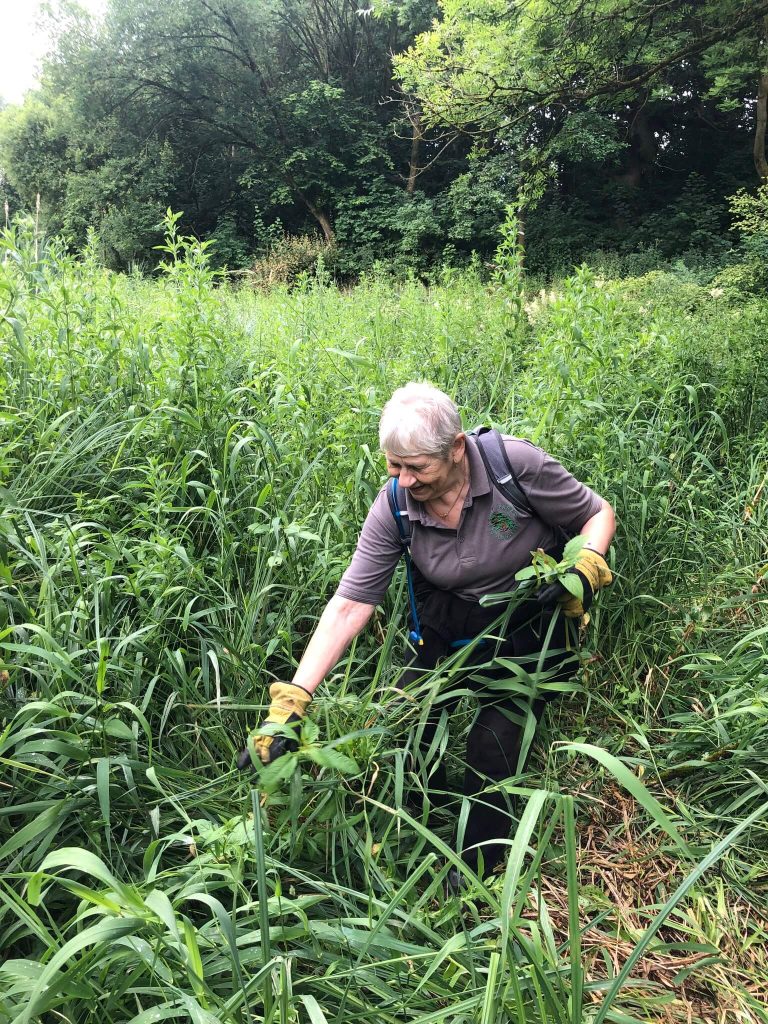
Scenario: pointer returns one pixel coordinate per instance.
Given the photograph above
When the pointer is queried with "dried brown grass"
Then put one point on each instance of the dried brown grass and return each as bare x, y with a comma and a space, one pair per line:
626, 874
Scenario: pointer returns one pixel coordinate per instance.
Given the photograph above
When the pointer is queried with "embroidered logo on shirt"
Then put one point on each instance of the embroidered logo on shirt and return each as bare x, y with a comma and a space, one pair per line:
503, 521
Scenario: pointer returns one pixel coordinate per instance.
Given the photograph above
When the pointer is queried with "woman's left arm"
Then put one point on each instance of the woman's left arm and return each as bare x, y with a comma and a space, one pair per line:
599, 529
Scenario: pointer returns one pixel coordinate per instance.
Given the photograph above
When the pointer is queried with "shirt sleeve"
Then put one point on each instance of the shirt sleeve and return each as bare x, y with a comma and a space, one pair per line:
377, 553
556, 496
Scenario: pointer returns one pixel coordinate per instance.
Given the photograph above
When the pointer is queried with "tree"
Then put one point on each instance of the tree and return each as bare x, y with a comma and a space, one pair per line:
263, 117
761, 112
33, 141
491, 68
286, 89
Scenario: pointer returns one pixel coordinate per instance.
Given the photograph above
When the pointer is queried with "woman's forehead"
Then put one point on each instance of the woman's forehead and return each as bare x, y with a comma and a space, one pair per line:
410, 456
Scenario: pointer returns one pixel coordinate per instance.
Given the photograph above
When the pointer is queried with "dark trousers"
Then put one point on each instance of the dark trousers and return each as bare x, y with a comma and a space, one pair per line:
497, 733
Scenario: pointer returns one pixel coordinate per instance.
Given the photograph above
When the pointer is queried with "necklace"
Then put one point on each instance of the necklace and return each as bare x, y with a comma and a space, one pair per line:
444, 515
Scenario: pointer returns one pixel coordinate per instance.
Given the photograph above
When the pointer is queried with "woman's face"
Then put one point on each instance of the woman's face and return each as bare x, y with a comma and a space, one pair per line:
426, 476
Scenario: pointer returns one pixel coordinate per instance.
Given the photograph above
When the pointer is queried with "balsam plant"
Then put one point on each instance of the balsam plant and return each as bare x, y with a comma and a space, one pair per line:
545, 569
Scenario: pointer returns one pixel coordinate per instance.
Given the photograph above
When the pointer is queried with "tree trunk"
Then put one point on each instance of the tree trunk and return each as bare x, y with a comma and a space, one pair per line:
761, 118
643, 147
413, 169
320, 216
324, 221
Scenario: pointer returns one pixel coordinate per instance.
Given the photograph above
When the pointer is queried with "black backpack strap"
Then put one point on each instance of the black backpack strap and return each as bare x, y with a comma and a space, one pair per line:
491, 446
396, 499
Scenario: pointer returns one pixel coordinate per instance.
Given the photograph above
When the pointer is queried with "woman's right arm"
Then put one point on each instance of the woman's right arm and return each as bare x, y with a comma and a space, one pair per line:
337, 627
361, 588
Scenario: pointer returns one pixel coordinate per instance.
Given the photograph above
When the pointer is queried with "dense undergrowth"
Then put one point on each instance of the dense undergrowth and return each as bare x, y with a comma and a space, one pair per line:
183, 469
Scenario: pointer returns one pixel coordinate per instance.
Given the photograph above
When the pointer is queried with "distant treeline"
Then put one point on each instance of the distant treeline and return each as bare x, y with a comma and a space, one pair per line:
396, 132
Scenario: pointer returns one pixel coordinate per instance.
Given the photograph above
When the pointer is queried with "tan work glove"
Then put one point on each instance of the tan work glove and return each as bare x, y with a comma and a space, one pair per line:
592, 570
289, 705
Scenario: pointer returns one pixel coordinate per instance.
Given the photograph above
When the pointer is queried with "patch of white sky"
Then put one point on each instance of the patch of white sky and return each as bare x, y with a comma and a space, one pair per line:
24, 41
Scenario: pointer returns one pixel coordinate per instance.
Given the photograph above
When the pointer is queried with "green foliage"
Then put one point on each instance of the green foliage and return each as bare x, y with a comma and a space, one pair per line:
267, 120
750, 218
184, 468
386, 225
508, 260
546, 569
484, 66
33, 143
231, 248
606, 103
273, 108
692, 225
476, 200
634, 237
750, 211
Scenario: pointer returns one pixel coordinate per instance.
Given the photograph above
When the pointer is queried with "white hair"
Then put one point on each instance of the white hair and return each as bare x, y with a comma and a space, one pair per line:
419, 419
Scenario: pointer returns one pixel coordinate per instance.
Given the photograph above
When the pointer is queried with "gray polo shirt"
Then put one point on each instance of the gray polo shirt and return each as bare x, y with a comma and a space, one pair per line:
493, 541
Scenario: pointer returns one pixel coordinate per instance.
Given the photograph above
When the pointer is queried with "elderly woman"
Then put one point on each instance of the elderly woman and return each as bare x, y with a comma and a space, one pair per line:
466, 540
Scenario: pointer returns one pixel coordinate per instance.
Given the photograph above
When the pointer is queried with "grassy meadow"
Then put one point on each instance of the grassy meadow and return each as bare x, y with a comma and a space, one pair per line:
184, 466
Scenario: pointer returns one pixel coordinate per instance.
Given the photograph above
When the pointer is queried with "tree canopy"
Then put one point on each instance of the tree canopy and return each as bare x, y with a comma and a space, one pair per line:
399, 131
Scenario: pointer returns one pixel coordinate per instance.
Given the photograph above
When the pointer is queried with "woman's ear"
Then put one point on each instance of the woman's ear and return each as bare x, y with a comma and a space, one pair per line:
459, 446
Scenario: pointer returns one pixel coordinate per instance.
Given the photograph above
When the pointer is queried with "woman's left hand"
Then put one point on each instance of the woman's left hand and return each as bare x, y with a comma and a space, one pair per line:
592, 569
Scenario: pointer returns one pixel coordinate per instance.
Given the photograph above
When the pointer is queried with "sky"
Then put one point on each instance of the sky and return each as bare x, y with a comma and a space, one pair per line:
23, 44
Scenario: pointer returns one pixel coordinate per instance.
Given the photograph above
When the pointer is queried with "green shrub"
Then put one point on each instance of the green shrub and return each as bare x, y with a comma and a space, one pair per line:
749, 211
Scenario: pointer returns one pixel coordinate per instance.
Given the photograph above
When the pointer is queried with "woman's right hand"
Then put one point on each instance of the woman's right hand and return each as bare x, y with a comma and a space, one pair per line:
288, 707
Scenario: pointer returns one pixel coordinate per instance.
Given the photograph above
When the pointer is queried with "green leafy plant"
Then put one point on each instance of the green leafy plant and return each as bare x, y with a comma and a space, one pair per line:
184, 467
546, 569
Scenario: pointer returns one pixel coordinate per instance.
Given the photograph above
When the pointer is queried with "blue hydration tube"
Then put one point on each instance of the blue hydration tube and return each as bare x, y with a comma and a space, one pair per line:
415, 634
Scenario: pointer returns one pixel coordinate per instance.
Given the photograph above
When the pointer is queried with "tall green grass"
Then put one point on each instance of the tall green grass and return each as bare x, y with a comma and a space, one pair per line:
183, 470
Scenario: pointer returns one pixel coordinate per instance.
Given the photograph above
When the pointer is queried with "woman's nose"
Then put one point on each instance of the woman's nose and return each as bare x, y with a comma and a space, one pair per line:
406, 478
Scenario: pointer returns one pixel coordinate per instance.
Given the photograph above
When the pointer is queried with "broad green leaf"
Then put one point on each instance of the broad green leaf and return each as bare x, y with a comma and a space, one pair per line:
573, 584
329, 758
271, 775
573, 548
